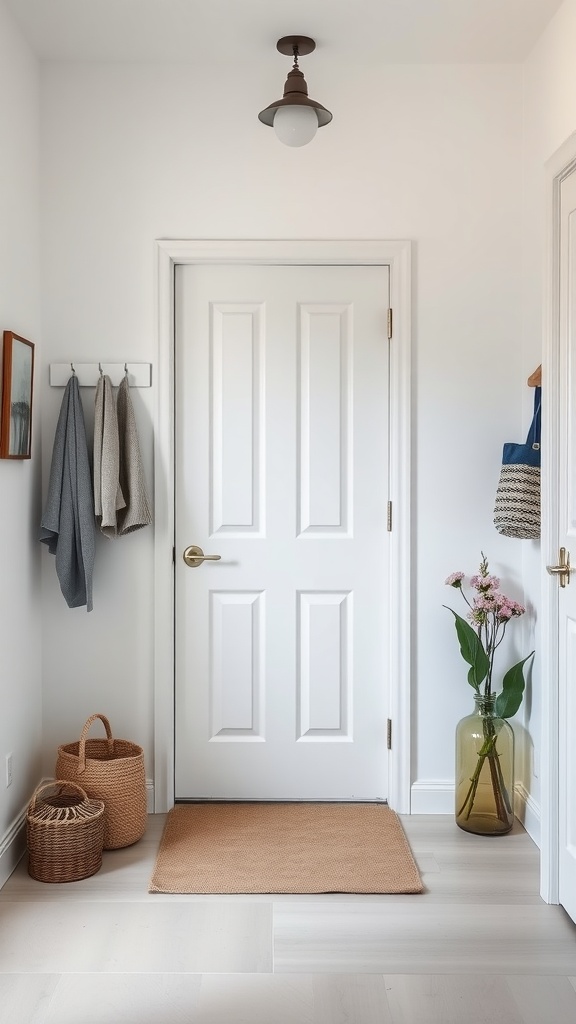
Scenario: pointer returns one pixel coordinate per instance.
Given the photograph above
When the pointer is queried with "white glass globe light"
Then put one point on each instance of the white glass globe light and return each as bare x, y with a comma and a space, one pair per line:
295, 124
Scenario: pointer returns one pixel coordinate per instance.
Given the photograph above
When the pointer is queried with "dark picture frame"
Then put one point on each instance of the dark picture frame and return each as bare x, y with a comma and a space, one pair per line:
17, 389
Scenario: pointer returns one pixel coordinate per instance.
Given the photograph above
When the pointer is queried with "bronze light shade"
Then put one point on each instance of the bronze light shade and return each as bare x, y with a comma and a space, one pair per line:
295, 89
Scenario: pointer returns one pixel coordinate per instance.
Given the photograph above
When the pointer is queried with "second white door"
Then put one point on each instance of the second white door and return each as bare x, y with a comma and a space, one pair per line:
282, 470
566, 525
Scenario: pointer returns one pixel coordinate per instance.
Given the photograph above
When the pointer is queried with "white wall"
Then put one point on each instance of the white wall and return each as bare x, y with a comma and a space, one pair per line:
432, 153
20, 674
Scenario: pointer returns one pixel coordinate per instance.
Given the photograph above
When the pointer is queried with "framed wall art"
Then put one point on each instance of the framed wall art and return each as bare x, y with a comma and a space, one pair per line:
16, 412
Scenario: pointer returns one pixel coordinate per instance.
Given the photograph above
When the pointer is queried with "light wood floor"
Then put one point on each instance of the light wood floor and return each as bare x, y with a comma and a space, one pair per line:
479, 946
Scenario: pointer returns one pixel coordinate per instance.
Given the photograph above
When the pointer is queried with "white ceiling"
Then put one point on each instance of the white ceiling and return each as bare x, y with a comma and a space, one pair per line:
391, 31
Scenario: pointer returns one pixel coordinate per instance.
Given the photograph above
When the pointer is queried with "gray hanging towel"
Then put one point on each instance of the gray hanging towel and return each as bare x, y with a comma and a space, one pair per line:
137, 512
108, 497
68, 522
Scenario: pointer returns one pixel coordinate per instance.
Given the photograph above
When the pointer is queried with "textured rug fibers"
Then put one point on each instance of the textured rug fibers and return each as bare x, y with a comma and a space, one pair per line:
284, 847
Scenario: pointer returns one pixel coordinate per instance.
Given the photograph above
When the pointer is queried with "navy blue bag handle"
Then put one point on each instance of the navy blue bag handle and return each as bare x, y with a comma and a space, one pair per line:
533, 438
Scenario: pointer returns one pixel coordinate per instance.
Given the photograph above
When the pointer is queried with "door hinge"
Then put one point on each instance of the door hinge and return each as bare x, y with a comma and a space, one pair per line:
389, 324
174, 556
389, 517
389, 734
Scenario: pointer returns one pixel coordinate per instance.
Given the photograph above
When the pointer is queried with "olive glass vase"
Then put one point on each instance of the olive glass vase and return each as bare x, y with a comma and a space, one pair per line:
484, 771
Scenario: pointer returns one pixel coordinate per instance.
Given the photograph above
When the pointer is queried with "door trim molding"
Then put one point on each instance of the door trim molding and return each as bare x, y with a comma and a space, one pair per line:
397, 256
560, 165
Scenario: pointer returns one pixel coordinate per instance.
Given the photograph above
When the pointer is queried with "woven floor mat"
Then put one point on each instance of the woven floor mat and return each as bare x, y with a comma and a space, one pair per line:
284, 848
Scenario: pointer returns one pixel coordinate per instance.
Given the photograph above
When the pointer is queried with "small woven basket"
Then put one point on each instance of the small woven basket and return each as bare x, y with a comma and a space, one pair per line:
64, 832
113, 771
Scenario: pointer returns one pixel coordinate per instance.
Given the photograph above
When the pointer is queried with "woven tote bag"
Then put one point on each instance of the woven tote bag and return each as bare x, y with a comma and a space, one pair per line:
64, 833
111, 770
517, 506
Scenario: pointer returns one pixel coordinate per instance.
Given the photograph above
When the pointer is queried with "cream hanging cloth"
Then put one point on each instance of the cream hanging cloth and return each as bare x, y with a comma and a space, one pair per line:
136, 511
108, 497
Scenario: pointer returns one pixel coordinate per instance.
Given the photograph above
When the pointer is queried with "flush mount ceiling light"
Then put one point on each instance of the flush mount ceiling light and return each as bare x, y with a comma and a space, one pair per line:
295, 118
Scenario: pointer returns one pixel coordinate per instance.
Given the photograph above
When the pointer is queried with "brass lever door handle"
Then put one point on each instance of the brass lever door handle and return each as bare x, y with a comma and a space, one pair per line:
563, 569
194, 556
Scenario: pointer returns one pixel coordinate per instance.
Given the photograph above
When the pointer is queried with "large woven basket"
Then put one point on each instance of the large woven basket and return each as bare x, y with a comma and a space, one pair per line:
111, 770
64, 832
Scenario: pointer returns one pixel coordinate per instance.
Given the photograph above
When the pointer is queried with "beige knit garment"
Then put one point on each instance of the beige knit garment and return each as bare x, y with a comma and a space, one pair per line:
136, 513
108, 497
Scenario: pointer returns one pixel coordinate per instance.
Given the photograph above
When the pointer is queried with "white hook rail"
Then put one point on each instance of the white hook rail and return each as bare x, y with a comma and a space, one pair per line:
139, 374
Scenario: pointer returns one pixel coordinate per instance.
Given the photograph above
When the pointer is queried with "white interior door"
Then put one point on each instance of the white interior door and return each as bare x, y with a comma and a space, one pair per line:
282, 470
567, 540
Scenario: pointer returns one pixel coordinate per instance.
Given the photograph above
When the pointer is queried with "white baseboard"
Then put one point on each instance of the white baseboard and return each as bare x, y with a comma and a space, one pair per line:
436, 796
432, 796
12, 846
528, 812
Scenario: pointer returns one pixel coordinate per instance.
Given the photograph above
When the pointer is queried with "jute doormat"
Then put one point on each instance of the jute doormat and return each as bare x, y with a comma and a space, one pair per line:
284, 847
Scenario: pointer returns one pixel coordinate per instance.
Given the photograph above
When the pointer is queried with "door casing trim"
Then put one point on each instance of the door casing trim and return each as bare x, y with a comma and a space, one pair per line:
558, 167
397, 256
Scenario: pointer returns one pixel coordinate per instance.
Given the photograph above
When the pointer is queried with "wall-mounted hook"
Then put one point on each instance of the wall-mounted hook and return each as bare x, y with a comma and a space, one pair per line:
138, 375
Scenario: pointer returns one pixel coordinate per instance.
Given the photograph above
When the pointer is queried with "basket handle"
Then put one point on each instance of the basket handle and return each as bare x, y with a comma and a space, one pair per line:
50, 785
84, 734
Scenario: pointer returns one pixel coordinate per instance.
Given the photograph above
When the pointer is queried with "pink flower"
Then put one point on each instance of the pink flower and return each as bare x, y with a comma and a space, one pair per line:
485, 582
489, 612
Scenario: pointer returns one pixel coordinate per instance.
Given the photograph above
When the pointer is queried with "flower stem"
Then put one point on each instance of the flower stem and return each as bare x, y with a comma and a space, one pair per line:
501, 796
475, 779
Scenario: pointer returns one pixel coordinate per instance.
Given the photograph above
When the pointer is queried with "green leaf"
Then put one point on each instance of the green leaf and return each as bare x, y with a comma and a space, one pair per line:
471, 650
510, 699
472, 677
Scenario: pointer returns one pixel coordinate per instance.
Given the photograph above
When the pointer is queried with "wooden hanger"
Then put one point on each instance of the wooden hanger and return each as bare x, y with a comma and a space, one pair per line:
535, 379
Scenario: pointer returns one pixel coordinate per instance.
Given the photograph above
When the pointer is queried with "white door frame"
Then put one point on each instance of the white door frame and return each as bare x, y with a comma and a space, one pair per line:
397, 256
560, 165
